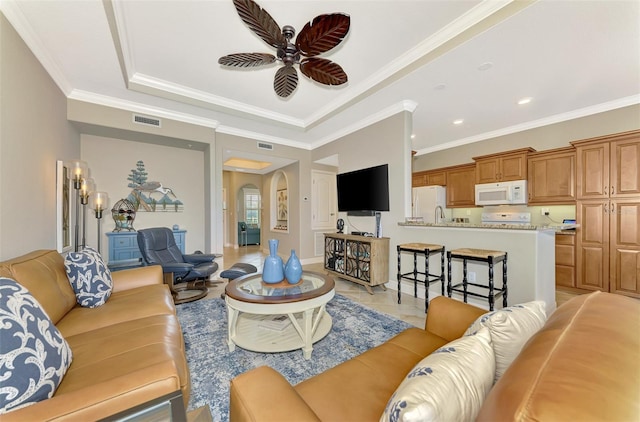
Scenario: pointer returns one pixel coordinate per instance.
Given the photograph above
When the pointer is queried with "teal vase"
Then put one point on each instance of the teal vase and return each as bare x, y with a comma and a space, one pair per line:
293, 269
273, 269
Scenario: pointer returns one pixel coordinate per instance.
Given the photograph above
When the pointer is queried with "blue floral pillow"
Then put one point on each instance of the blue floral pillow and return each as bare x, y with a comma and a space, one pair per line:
448, 385
89, 276
33, 354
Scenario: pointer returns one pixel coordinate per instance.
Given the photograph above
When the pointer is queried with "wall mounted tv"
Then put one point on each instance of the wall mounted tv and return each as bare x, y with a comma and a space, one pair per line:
363, 192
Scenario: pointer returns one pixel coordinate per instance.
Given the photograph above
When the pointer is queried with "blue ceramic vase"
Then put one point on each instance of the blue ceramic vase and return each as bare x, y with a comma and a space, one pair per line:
293, 269
273, 269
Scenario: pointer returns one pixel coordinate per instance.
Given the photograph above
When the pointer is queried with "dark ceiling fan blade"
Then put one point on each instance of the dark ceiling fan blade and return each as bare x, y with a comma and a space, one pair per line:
323, 71
260, 22
247, 59
285, 81
323, 33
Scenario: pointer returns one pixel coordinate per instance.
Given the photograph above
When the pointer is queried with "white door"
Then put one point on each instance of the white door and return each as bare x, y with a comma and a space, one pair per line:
324, 197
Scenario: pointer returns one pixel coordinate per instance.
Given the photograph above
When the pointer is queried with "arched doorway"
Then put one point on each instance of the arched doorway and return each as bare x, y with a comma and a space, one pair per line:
249, 215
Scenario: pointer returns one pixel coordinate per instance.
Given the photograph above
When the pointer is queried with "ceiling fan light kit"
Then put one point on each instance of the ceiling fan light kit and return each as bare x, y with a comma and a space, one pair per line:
318, 36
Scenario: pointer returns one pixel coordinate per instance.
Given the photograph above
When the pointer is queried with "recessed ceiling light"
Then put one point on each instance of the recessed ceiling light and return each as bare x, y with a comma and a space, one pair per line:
485, 66
458, 121
525, 100
413, 136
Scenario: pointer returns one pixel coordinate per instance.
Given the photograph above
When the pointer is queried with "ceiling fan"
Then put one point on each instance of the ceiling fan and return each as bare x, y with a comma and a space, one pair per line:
318, 36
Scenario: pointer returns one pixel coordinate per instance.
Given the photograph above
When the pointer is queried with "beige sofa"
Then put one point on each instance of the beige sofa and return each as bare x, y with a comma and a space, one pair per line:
126, 352
582, 365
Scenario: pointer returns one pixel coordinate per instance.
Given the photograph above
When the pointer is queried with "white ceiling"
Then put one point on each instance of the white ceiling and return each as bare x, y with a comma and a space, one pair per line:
159, 57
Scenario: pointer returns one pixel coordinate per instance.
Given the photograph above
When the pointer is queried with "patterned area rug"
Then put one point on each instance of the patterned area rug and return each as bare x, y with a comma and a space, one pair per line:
356, 329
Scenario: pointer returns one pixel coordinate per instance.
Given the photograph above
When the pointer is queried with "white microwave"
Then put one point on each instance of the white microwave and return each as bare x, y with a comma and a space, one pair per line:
499, 193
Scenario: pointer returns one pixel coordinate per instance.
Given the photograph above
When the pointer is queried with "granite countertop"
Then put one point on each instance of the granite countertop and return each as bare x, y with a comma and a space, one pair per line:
557, 228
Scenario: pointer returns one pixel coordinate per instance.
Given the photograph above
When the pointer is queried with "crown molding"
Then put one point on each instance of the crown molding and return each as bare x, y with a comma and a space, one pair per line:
118, 28
164, 89
406, 105
118, 103
558, 118
257, 136
14, 15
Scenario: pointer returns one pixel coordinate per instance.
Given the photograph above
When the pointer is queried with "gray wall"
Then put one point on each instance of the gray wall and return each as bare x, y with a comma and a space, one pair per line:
180, 169
384, 142
34, 133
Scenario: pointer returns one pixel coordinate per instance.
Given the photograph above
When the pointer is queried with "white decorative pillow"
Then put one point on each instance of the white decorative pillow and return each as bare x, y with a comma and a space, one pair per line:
510, 329
448, 385
89, 276
33, 354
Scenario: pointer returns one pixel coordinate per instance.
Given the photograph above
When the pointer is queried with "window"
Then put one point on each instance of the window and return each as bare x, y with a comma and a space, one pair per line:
252, 207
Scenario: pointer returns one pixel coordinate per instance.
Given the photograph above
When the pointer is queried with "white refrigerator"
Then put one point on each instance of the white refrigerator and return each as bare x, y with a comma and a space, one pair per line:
426, 199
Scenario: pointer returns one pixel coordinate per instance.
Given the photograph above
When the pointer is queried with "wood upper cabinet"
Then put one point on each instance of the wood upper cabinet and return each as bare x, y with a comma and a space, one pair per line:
437, 177
461, 186
551, 178
608, 166
502, 167
429, 178
418, 179
625, 167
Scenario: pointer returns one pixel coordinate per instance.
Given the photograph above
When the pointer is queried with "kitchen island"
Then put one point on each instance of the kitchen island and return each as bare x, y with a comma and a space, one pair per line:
531, 257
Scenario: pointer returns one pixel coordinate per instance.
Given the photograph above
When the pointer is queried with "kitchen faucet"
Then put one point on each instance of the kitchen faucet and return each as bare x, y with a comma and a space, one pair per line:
440, 214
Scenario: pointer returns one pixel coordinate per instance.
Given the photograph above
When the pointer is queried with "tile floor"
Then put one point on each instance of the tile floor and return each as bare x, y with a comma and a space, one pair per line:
410, 310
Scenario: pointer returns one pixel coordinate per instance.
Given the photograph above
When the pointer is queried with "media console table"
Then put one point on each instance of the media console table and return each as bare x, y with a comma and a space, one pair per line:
361, 259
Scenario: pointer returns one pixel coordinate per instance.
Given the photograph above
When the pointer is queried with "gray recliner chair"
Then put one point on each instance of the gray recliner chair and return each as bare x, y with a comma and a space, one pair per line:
186, 274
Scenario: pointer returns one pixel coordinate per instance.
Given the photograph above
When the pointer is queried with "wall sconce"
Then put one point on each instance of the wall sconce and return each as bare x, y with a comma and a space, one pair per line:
79, 170
100, 201
87, 186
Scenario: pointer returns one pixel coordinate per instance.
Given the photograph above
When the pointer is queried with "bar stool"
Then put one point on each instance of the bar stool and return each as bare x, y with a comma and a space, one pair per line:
479, 255
424, 249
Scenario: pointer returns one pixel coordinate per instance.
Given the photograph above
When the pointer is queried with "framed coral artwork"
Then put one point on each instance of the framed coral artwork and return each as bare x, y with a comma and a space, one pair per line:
63, 207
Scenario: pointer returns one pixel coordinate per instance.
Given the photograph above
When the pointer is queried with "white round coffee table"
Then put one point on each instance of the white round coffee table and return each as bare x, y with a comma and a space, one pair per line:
278, 317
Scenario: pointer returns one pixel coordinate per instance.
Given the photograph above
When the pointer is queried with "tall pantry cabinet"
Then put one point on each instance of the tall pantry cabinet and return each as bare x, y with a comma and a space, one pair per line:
608, 212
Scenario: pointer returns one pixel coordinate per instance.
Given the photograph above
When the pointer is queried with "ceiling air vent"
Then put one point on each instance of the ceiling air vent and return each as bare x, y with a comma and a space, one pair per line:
264, 145
145, 120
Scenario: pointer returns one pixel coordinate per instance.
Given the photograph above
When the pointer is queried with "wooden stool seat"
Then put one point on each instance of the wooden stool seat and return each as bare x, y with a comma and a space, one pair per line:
477, 253
425, 250
419, 247
490, 257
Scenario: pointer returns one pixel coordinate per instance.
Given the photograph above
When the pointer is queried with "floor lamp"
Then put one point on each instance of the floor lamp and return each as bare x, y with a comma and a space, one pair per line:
99, 203
79, 170
87, 186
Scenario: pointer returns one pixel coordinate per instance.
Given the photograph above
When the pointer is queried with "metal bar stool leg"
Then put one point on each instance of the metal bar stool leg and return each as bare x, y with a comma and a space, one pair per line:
415, 274
449, 274
504, 281
491, 298
426, 280
464, 278
399, 277
442, 270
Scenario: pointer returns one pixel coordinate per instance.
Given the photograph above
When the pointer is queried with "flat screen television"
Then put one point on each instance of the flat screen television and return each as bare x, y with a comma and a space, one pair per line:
365, 191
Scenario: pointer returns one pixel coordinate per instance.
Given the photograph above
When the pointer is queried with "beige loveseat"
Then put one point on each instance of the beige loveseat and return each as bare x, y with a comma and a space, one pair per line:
583, 364
126, 352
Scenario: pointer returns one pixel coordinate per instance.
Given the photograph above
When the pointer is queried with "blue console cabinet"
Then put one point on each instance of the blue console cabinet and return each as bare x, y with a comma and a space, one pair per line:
124, 251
